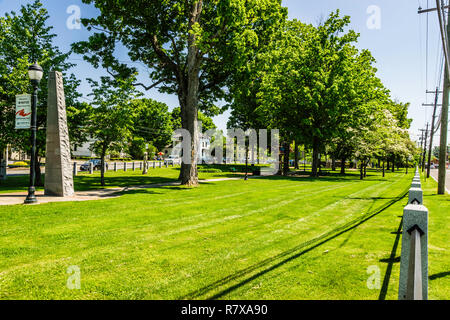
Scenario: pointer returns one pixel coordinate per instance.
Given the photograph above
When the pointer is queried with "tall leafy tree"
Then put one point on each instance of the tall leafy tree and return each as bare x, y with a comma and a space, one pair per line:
307, 85
25, 38
78, 116
207, 122
111, 122
152, 122
190, 46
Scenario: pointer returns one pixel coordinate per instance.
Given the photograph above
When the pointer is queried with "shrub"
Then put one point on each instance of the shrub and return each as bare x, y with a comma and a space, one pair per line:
210, 170
20, 164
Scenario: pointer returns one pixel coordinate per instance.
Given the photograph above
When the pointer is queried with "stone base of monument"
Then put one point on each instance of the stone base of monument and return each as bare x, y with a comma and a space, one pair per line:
58, 168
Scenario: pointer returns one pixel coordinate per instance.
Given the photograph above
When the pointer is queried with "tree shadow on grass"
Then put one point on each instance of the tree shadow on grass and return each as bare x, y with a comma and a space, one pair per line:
368, 198
390, 261
286, 256
337, 178
147, 191
439, 275
86, 183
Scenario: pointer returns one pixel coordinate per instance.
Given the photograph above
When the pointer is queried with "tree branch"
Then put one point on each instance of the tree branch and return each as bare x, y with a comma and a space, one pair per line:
150, 86
163, 57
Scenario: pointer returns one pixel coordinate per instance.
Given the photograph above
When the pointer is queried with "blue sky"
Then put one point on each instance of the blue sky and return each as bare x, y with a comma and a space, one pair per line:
399, 44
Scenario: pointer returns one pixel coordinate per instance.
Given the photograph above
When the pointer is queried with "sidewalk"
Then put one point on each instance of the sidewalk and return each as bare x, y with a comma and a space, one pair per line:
19, 197
434, 175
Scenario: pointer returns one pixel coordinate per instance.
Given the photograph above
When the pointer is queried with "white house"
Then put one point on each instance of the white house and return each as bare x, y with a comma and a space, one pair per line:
203, 147
84, 150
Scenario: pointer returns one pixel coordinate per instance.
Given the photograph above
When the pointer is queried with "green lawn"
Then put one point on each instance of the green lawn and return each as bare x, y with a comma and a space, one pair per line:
439, 240
85, 181
267, 238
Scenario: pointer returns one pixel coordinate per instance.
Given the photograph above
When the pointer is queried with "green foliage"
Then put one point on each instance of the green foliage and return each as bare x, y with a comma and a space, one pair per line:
78, 117
137, 149
190, 46
25, 38
207, 122
111, 121
314, 85
152, 122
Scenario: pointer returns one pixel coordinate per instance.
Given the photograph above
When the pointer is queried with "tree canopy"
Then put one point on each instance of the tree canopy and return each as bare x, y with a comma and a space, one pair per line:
190, 47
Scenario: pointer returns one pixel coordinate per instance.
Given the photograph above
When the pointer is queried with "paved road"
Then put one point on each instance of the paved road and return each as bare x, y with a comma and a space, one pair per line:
434, 174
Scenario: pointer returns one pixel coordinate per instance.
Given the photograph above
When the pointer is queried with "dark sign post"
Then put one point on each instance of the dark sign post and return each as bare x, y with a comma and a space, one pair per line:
35, 73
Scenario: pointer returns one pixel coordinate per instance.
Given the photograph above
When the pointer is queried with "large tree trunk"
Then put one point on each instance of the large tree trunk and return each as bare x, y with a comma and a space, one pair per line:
365, 169
384, 173
361, 176
280, 166
189, 101
286, 159
388, 165
343, 165
315, 159
296, 156
333, 164
188, 171
102, 169
37, 167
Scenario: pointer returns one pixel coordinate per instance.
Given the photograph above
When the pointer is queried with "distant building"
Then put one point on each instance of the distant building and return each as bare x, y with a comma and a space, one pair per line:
203, 147
18, 155
84, 150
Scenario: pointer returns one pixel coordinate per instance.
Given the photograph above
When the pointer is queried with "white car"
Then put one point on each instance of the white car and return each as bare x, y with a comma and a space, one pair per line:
172, 160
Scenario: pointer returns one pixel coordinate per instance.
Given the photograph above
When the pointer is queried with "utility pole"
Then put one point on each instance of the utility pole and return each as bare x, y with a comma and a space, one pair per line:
425, 148
444, 123
432, 132
445, 99
421, 148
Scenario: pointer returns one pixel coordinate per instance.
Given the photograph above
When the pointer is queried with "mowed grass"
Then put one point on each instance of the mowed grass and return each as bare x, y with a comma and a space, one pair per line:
267, 238
439, 240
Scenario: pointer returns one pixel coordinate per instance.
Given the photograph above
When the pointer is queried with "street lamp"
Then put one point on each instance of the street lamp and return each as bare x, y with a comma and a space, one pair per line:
35, 73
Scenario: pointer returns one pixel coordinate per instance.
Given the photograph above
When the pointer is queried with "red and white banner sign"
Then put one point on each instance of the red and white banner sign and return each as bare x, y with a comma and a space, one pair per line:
23, 111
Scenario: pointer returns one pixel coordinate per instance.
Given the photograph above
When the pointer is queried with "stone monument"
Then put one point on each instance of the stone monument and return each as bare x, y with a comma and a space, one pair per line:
58, 170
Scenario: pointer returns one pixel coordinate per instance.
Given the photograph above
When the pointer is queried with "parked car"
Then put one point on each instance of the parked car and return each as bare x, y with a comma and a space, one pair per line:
96, 163
172, 160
